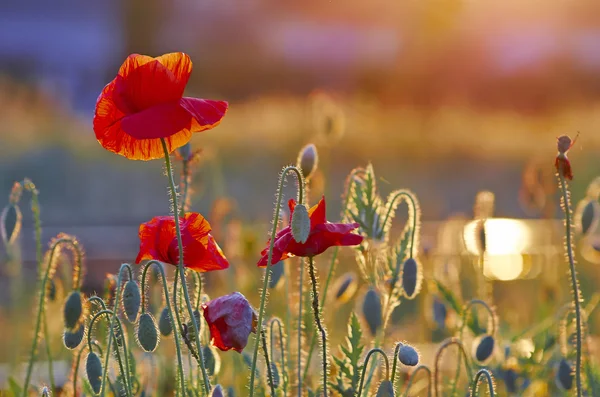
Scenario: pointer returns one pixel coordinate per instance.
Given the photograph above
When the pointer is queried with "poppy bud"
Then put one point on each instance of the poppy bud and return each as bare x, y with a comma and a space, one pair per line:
564, 375
46, 392
73, 339
408, 355
212, 360
586, 216
185, 151
300, 223
411, 278
147, 335
51, 294
510, 380
308, 160
485, 348
345, 287
275, 373
217, 391
93, 368
371, 309
131, 300
386, 389
230, 320
277, 271
440, 313
72, 310
563, 143
164, 322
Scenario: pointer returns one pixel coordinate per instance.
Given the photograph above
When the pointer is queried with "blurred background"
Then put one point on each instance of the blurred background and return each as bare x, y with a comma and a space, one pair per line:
444, 97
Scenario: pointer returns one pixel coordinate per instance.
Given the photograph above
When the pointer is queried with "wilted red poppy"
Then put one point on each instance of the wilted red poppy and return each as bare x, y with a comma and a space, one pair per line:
158, 241
145, 103
230, 320
322, 236
562, 163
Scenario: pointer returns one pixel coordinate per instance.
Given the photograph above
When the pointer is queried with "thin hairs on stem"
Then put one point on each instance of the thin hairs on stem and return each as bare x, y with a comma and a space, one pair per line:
366, 363
270, 380
436, 372
318, 321
411, 379
490, 382
282, 349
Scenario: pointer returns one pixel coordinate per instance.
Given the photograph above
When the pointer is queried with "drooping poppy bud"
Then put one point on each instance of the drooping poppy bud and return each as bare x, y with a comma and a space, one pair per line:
72, 310
73, 339
212, 360
217, 391
131, 300
386, 389
485, 348
440, 313
230, 320
345, 287
275, 374
147, 334
277, 272
308, 160
408, 355
411, 278
371, 310
164, 323
93, 368
564, 375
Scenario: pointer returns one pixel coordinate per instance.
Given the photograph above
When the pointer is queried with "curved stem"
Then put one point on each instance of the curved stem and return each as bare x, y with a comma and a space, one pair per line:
78, 360
490, 381
263, 298
317, 314
181, 267
282, 349
171, 316
413, 214
41, 309
395, 362
366, 363
566, 204
113, 319
267, 362
126, 377
438, 356
299, 329
414, 375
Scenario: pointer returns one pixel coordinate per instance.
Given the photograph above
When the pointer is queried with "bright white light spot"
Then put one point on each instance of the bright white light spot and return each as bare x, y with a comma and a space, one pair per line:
503, 267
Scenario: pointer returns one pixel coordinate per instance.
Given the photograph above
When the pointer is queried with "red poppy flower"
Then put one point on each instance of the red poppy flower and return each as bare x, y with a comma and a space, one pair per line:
230, 320
145, 103
562, 163
322, 236
158, 241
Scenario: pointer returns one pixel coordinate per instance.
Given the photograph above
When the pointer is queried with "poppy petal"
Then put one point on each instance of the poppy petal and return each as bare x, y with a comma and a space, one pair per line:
317, 214
279, 250
155, 237
205, 113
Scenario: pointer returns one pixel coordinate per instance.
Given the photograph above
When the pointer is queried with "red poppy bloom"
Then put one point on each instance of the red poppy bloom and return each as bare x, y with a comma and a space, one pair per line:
145, 103
230, 320
322, 236
158, 241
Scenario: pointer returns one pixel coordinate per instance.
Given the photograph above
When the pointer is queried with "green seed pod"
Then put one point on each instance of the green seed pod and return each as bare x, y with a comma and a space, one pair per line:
277, 271
72, 310
386, 389
371, 310
212, 360
147, 334
485, 348
411, 278
217, 391
564, 375
308, 160
164, 322
275, 373
300, 223
131, 300
73, 339
93, 368
408, 355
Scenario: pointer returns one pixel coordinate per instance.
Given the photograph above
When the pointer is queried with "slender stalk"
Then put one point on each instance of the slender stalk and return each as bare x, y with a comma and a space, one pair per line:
41, 309
263, 297
282, 349
126, 376
436, 371
413, 376
317, 314
566, 204
171, 316
288, 318
413, 214
490, 381
113, 319
267, 362
181, 267
299, 329
366, 363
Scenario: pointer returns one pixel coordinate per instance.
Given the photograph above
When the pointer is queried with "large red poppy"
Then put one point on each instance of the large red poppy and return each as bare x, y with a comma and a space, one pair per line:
322, 235
145, 103
230, 319
158, 241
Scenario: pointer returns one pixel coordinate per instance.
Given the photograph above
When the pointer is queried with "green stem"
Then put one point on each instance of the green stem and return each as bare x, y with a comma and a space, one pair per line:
366, 363
171, 316
490, 381
180, 265
317, 314
126, 377
413, 376
299, 330
78, 360
263, 298
436, 371
267, 362
566, 201
413, 213
41, 310
185, 180
282, 349
288, 317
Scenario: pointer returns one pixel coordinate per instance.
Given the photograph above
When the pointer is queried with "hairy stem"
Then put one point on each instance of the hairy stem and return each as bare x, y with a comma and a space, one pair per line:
283, 351
181, 267
566, 204
263, 339
317, 314
490, 381
436, 372
366, 364
413, 376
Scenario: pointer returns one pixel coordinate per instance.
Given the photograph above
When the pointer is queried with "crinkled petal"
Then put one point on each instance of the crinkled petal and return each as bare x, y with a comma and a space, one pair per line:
205, 113
155, 238
317, 214
280, 249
